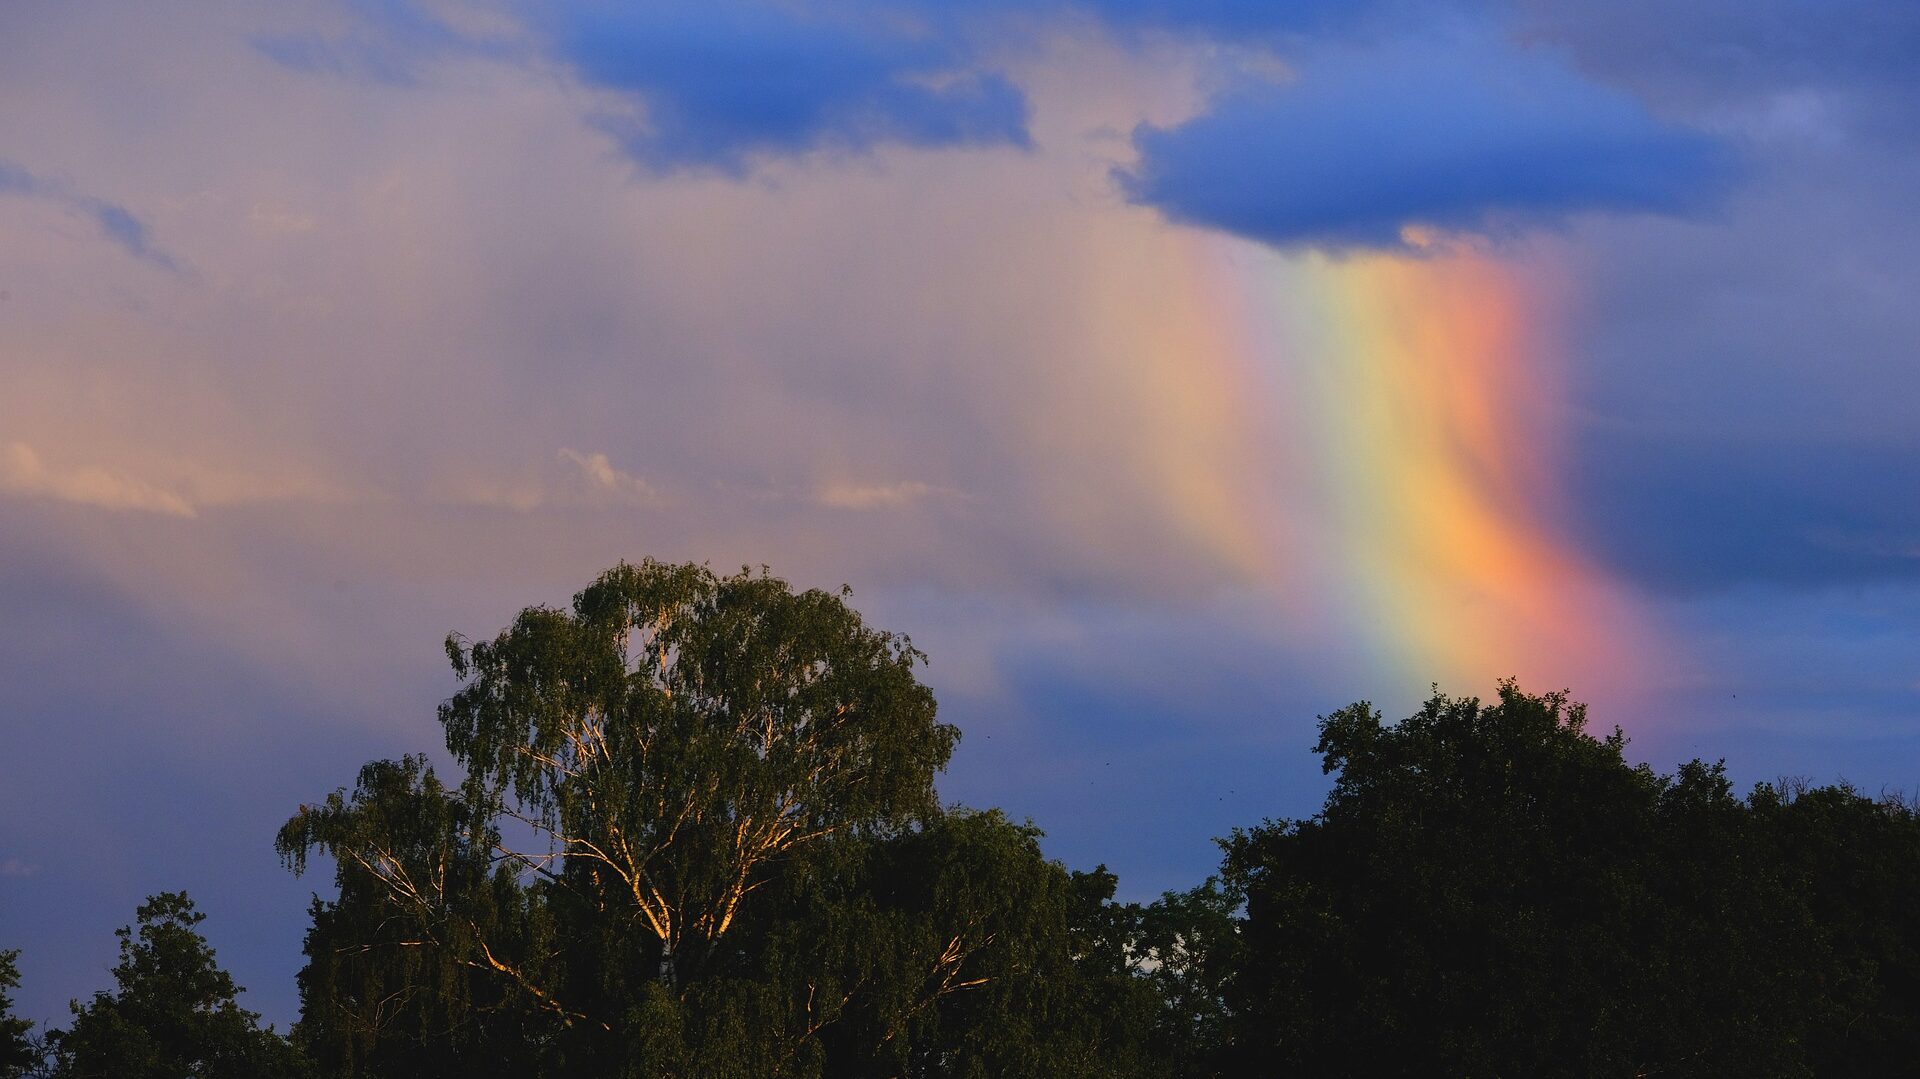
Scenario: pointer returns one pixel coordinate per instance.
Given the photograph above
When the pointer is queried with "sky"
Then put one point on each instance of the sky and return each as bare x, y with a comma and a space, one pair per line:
1172, 373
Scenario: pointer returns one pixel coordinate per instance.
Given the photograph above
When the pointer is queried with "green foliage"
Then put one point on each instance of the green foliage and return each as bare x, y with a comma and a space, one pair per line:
950, 946
17, 1051
1192, 940
1492, 891
173, 1013
1853, 863
404, 987
939, 951
697, 836
676, 732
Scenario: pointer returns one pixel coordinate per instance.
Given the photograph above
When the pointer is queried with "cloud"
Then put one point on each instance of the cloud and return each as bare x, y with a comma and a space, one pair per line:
716, 85
580, 481
454, 279
607, 480
1236, 16
1711, 54
369, 58
853, 496
1367, 146
1694, 515
115, 222
1747, 386
712, 86
23, 473
126, 230
386, 40
1232, 20
17, 181
18, 868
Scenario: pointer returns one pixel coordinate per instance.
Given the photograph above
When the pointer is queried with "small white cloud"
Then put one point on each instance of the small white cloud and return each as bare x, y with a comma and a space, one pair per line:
851, 496
23, 473
15, 867
606, 479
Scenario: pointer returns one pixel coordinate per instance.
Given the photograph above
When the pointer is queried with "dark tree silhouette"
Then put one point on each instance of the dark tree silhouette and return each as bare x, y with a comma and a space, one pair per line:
17, 1049
173, 1012
1490, 890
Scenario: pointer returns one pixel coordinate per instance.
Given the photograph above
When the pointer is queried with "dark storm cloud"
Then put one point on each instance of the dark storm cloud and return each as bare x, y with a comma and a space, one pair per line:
1692, 514
715, 85
1362, 146
1751, 379
1708, 53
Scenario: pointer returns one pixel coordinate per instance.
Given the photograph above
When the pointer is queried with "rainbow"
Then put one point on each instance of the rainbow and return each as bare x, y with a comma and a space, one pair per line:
1366, 449
1427, 416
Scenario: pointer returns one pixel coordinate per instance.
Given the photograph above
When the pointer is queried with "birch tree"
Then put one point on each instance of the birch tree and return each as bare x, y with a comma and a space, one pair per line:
644, 758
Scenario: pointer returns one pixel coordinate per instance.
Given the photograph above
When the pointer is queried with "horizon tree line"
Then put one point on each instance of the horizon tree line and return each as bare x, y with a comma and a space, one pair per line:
694, 832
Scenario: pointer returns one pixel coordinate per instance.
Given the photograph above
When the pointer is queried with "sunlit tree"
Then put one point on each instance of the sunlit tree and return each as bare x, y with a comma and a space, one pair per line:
696, 833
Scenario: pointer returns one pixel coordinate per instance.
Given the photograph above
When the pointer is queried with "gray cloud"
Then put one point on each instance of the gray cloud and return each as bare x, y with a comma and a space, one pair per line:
1748, 386
1708, 55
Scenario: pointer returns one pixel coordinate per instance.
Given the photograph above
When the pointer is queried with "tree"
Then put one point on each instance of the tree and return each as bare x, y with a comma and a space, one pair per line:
173, 1014
1155, 974
680, 748
1490, 890
413, 987
951, 944
1189, 947
944, 950
1854, 862
668, 738
738, 867
17, 1050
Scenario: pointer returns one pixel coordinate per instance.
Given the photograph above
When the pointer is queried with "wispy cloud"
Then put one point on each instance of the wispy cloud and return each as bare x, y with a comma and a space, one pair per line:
607, 480
115, 222
872, 496
389, 40
24, 473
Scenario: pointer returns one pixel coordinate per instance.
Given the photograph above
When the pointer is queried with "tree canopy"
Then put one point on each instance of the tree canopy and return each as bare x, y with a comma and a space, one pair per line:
17, 1051
1491, 890
173, 1013
696, 834
690, 830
